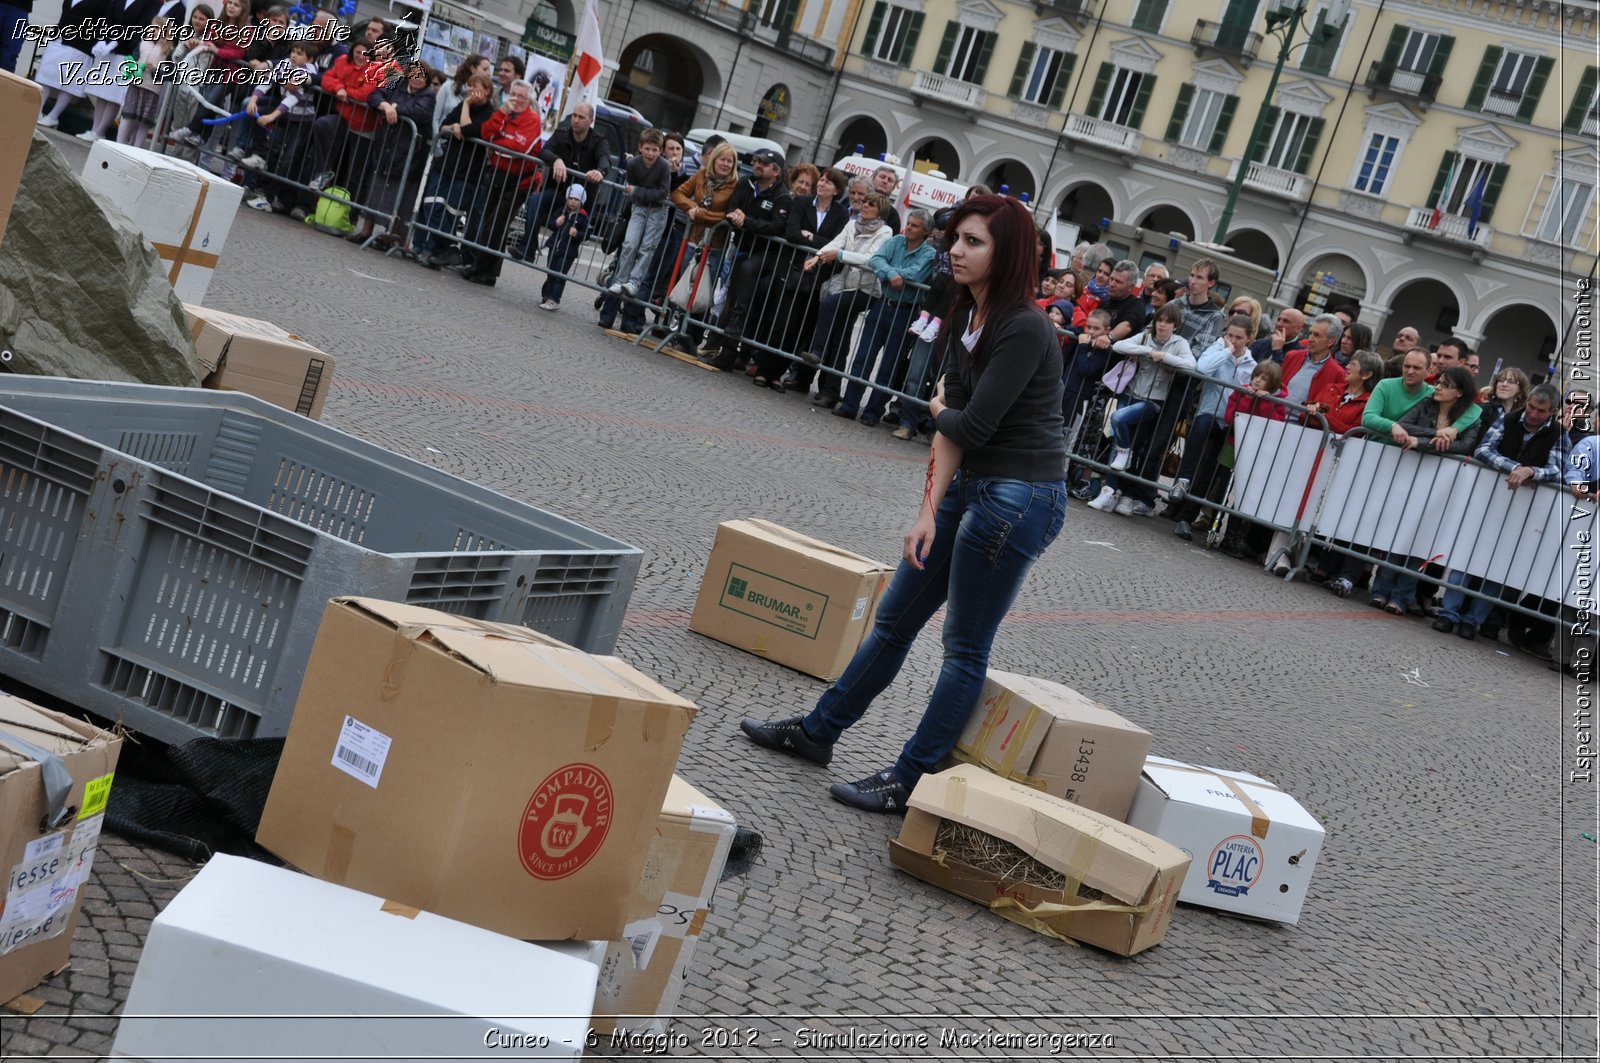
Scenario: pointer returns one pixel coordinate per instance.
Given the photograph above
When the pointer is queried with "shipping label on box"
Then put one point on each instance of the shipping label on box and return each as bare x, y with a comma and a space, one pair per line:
1092, 879
643, 974
185, 211
484, 772
787, 597
47, 852
19, 113
1254, 848
259, 358
1055, 739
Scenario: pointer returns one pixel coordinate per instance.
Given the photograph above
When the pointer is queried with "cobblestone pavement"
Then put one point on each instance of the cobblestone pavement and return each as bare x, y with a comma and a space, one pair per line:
1452, 913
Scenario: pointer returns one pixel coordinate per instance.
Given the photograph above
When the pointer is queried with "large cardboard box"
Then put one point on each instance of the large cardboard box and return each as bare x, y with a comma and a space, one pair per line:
1119, 884
46, 847
1253, 847
259, 358
19, 113
643, 975
247, 955
483, 772
184, 210
1055, 739
788, 597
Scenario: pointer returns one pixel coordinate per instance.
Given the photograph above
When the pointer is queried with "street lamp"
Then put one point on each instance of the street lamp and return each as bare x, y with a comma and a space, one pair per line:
1282, 22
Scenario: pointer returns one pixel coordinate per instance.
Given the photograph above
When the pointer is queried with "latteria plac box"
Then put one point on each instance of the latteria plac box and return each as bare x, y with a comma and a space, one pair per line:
788, 597
1253, 847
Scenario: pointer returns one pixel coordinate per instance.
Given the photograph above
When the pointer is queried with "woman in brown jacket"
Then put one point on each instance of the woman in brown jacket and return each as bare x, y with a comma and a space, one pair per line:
704, 198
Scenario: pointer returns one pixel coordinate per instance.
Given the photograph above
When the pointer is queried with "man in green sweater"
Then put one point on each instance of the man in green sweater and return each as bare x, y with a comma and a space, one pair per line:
1395, 397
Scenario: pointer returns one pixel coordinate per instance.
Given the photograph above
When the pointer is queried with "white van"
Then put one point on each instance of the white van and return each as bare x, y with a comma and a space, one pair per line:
932, 191
742, 144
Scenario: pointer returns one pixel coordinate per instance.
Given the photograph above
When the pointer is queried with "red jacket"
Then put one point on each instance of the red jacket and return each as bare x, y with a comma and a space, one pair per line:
1343, 416
1248, 402
358, 82
520, 133
1327, 387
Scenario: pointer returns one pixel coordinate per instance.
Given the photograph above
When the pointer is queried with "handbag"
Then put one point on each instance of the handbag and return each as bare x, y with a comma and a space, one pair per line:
1105, 424
685, 284
1119, 376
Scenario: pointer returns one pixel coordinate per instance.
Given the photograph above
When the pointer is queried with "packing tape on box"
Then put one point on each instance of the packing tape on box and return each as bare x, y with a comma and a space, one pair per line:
53, 774
1006, 766
1044, 916
602, 723
778, 531
183, 253
1259, 820
988, 764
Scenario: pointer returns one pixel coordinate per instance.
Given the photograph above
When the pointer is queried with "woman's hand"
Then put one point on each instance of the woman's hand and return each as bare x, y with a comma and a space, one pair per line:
1440, 443
1448, 434
828, 255
919, 540
809, 264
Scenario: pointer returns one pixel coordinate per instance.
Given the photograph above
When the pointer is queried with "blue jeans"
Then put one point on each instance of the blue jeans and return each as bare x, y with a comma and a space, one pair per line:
536, 219
1123, 425
444, 194
11, 35
561, 253
914, 415
1455, 607
1399, 588
645, 227
989, 532
884, 330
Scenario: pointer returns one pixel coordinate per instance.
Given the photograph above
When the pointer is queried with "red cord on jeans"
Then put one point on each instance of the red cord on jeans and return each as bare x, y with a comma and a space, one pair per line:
927, 491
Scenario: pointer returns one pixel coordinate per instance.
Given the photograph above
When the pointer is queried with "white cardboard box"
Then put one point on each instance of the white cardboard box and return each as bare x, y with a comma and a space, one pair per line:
185, 211
250, 943
1252, 847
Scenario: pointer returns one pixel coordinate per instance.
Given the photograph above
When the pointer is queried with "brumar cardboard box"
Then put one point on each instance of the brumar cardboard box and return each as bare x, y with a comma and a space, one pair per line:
259, 358
47, 836
184, 211
19, 113
1254, 848
483, 772
1055, 739
1119, 885
788, 597
249, 954
643, 975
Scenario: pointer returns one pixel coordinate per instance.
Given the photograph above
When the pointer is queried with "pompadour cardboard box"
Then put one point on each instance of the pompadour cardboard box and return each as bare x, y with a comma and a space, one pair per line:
483, 772
643, 975
1120, 886
259, 358
1254, 848
47, 857
788, 597
1055, 739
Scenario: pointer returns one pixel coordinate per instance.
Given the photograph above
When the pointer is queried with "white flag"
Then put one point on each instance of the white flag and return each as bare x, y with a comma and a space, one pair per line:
590, 63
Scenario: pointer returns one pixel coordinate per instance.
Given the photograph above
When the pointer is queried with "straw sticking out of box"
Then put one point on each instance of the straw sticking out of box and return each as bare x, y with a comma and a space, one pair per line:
1002, 859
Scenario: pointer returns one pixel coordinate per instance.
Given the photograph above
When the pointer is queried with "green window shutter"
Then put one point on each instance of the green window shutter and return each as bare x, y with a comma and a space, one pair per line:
1491, 190
1397, 41
1269, 122
1318, 57
1141, 99
1147, 15
1097, 95
1058, 92
1019, 79
874, 27
1580, 102
1219, 137
1536, 83
1179, 113
1308, 146
985, 51
1446, 163
941, 65
913, 31
1486, 69
1441, 56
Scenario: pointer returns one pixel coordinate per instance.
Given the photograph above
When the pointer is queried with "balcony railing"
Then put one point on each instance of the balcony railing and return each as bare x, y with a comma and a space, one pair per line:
1591, 125
1073, 9
794, 43
1393, 78
731, 15
1099, 131
1241, 41
960, 94
1285, 183
1502, 103
1450, 227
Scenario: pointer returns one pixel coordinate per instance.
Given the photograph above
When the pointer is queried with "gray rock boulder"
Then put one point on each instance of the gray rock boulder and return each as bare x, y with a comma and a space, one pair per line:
81, 292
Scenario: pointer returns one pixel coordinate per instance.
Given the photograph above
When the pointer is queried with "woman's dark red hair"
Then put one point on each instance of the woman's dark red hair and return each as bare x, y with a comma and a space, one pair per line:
1013, 265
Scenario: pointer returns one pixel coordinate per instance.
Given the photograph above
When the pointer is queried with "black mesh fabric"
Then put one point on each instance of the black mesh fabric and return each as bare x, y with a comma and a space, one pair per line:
195, 800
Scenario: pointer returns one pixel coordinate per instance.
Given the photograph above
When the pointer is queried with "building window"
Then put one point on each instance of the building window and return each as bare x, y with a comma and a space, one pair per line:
1458, 187
1041, 75
1416, 54
1120, 96
1201, 124
967, 55
1372, 175
1148, 15
774, 13
1286, 141
892, 33
1566, 211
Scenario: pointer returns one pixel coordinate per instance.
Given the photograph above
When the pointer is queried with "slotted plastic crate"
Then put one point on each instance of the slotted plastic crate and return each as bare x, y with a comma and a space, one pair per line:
166, 553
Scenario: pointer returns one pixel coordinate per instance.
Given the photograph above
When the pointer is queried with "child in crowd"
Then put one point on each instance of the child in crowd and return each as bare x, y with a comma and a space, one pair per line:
141, 104
1244, 536
567, 231
283, 109
649, 180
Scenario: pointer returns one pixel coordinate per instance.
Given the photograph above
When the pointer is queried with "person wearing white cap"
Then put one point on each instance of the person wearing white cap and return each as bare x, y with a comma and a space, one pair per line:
567, 230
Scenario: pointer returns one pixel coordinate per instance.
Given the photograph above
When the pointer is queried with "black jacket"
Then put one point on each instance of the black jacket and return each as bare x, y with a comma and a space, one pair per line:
802, 228
766, 213
593, 154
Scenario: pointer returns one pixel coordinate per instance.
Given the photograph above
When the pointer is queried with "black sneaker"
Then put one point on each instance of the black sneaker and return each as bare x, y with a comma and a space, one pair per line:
879, 792
787, 736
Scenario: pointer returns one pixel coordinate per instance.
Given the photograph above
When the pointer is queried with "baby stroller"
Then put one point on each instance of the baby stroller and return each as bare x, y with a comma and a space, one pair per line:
1088, 438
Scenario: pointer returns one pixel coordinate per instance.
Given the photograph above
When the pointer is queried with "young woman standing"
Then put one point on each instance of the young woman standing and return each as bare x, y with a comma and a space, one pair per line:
995, 499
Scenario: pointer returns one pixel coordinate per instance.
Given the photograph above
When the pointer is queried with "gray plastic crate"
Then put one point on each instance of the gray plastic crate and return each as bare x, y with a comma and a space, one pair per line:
166, 553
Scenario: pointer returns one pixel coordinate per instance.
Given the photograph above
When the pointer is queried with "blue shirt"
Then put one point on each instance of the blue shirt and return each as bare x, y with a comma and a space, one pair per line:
915, 266
1583, 464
